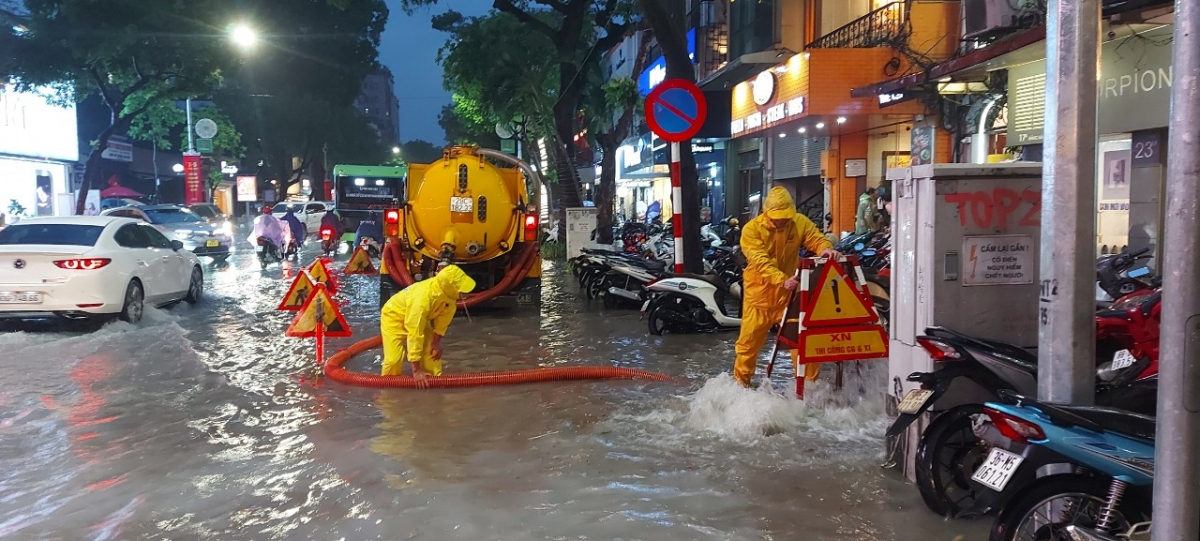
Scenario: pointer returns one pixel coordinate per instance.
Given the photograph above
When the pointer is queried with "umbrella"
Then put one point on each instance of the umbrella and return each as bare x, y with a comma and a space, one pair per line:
116, 190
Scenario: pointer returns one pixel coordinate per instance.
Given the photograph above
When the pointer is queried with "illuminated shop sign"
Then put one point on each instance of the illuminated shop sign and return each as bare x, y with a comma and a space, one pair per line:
764, 119
774, 96
657, 71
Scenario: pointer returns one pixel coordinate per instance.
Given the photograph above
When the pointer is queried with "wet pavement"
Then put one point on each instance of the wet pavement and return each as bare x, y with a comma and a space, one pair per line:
206, 423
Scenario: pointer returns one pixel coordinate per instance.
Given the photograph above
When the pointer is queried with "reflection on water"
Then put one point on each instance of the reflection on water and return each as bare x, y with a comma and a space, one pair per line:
206, 423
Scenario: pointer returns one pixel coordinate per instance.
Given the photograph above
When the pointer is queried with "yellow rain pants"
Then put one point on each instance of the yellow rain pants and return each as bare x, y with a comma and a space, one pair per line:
411, 319
772, 256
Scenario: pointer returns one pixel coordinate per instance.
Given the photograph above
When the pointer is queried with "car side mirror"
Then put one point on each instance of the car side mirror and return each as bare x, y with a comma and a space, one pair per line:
176, 245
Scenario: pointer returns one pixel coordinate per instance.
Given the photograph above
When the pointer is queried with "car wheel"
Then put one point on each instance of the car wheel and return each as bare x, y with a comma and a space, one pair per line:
195, 287
135, 303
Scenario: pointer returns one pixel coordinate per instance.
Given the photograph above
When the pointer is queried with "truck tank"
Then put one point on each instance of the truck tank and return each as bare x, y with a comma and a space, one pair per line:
466, 211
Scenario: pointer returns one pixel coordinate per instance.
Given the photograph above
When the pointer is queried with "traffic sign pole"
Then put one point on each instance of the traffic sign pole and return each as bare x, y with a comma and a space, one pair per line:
677, 204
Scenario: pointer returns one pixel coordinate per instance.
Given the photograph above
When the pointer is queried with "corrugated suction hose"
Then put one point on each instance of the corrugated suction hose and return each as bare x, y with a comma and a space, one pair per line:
336, 372
398, 269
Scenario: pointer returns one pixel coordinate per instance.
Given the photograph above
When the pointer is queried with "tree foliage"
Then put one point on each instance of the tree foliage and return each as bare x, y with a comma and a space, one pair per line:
419, 151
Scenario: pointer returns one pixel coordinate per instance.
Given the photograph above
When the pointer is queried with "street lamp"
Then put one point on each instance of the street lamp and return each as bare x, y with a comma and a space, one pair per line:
395, 150
244, 35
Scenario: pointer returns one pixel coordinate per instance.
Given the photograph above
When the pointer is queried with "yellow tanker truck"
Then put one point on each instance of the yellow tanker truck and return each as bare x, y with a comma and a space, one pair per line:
466, 211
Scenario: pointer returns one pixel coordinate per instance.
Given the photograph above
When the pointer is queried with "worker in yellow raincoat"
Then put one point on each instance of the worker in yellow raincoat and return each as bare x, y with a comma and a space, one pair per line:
414, 321
771, 243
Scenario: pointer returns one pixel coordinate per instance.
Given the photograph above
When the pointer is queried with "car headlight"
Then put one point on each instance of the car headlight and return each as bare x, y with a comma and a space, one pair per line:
226, 229
182, 233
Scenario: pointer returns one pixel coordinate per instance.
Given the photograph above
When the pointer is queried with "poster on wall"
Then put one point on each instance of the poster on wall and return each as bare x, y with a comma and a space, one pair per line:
247, 189
895, 159
1116, 174
993, 260
44, 200
922, 145
92, 208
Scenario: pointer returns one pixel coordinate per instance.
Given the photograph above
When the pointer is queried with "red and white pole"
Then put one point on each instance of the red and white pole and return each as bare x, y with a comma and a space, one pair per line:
677, 205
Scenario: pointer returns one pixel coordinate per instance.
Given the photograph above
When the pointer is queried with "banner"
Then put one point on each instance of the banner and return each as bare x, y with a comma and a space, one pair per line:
247, 189
193, 180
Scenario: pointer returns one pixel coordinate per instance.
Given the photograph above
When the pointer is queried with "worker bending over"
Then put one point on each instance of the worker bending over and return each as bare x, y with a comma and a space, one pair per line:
771, 243
415, 320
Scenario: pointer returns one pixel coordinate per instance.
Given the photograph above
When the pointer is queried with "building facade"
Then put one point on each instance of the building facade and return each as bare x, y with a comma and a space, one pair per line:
379, 104
38, 150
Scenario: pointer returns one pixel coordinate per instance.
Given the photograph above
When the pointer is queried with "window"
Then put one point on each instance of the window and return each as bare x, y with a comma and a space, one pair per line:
172, 216
205, 211
314, 208
130, 236
157, 240
51, 234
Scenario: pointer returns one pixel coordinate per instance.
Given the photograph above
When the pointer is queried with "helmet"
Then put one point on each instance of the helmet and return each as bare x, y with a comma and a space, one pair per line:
266, 209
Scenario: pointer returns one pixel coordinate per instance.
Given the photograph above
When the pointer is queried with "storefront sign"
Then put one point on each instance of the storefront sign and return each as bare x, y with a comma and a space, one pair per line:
701, 148
1134, 89
994, 260
897, 97
657, 71
247, 189
31, 126
1148, 148
119, 149
774, 96
193, 181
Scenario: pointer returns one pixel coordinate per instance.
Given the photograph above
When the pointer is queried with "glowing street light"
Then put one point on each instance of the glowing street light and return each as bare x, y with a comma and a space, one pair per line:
244, 36
395, 150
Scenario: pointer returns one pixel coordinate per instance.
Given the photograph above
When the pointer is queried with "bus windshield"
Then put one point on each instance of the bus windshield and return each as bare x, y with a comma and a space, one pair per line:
368, 188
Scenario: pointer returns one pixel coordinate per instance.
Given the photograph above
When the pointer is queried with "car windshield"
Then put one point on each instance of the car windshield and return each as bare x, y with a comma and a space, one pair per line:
204, 212
171, 216
56, 234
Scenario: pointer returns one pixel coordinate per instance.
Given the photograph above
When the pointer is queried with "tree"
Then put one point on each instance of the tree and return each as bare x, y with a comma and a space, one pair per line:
129, 52
620, 98
666, 19
465, 130
418, 151
579, 31
164, 120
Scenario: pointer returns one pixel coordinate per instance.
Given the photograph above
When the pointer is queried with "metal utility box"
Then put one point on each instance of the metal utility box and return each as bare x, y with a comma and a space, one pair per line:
965, 243
581, 222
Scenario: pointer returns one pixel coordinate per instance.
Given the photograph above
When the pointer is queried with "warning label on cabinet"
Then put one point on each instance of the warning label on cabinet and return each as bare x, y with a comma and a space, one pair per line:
998, 260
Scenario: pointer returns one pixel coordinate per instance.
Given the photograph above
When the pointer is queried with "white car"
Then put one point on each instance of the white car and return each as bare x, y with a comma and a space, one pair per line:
85, 267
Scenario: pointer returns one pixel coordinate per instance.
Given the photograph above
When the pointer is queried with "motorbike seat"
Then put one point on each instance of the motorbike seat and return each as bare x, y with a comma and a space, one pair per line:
1116, 420
709, 278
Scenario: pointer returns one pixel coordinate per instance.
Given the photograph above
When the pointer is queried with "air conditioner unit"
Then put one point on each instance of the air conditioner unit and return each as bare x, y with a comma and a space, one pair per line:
984, 18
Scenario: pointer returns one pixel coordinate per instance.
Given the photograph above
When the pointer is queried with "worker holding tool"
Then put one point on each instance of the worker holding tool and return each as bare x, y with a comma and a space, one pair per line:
771, 243
415, 320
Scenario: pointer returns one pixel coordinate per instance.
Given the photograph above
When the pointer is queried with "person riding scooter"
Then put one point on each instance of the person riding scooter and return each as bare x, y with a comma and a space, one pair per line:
296, 228
267, 227
332, 222
371, 229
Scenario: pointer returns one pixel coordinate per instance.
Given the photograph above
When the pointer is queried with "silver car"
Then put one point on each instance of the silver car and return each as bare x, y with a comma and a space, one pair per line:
178, 223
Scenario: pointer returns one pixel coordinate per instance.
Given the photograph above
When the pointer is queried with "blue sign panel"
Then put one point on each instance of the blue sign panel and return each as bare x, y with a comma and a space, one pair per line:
657, 71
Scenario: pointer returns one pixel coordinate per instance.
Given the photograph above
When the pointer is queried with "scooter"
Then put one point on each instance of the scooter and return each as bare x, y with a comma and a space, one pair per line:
267, 251
685, 303
626, 282
329, 243
1117, 279
951, 446
1111, 454
291, 248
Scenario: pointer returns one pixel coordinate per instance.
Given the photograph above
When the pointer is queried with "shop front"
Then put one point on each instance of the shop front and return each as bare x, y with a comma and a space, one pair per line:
814, 139
38, 148
1132, 116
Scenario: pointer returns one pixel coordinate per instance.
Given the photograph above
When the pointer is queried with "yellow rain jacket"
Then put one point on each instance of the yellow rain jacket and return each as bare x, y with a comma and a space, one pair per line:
772, 256
412, 317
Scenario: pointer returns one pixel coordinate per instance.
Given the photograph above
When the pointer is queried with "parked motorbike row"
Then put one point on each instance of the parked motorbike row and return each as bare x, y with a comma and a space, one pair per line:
978, 458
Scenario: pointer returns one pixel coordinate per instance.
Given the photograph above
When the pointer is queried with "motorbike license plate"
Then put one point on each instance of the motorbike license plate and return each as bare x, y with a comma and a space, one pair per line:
1123, 359
998, 469
20, 297
212, 243
259, 248
461, 204
913, 401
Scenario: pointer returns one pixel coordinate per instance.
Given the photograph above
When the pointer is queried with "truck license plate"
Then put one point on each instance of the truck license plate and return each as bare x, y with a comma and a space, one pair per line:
998, 469
20, 297
212, 244
914, 400
461, 204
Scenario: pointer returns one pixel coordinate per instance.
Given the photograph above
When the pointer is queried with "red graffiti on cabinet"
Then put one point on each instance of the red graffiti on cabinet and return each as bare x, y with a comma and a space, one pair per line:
997, 208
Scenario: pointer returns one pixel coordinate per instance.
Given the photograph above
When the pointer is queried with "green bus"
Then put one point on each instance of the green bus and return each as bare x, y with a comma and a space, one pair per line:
361, 189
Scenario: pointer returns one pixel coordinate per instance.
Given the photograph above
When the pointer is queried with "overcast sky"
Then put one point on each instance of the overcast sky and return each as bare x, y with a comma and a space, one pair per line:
409, 47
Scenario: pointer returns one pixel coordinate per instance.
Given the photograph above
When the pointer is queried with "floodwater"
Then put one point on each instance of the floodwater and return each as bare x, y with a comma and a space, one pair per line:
206, 423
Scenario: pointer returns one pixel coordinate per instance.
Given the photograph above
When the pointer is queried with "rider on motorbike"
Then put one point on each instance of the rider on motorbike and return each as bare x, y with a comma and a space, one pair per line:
295, 227
267, 226
332, 221
370, 228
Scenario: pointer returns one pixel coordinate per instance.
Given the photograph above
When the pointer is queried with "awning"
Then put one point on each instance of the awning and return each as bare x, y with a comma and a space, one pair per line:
950, 67
743, 67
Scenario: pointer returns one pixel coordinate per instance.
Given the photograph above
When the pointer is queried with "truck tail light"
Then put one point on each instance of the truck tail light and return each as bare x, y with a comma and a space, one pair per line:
82, 264
391, 223
531, 224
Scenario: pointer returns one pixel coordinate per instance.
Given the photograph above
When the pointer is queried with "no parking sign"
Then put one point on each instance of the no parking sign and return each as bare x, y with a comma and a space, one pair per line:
675, 110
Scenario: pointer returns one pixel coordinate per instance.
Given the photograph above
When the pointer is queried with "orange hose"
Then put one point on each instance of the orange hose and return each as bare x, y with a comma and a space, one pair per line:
398, 270
336, 372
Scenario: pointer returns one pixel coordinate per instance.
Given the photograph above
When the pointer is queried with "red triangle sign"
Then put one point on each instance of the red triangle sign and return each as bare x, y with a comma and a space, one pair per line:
319, 310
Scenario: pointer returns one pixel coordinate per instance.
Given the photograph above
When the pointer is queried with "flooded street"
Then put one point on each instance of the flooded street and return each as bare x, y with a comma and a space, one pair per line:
207, 423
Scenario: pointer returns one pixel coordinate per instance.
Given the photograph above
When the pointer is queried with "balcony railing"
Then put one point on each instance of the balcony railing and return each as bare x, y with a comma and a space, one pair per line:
875, 29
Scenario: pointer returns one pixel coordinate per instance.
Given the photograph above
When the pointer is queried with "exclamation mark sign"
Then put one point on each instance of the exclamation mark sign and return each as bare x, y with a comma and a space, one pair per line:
837, 301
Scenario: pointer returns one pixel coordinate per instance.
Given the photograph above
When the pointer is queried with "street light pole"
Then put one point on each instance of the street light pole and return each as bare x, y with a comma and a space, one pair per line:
191, 142
1177, 451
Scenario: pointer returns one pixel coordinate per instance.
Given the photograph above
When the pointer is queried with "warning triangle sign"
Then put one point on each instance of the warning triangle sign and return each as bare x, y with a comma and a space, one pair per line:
360, 263
836, 300
301, 288
319, 310
320, 274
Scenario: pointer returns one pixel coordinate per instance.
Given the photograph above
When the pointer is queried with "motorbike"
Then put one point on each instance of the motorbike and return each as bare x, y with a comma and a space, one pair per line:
329, 243
267, 251
625, 281
1117, 280
1107, 495
951, 447
291, 247
684, 303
